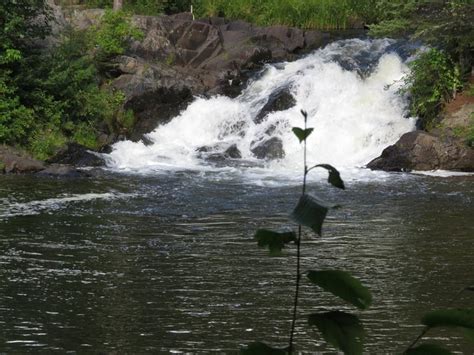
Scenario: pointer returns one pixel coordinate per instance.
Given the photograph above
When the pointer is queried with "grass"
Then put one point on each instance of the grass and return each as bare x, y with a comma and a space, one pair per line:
309, 14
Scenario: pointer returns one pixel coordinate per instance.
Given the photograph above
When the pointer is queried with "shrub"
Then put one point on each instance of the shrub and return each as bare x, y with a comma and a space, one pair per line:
433, 80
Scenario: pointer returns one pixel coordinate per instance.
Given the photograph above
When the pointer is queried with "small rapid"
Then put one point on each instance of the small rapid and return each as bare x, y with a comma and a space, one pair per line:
349, 89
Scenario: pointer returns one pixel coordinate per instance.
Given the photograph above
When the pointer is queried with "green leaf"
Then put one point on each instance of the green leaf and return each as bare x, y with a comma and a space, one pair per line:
450, 318
428, 349
343, 285
259, 348
302, 134
334, 177
274, 240
310, 212
343, 330
469, 334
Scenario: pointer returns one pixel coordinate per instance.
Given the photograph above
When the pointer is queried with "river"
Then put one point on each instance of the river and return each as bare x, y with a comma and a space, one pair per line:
167, 262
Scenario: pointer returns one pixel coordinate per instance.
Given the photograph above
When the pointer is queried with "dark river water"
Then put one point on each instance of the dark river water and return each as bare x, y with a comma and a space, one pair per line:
167, 263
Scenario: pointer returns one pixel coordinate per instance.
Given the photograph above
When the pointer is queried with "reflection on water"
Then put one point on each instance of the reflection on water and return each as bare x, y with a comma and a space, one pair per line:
168, 263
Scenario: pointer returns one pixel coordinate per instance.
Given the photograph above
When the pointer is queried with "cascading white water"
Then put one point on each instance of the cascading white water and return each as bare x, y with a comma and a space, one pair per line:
356, 112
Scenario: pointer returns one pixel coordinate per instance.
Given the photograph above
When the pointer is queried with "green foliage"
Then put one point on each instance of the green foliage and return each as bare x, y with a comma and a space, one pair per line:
310, 212
20, 21
49, 98
428, 349
344, 331
450, 318
113, 34
46, 141
334, 178
273, 240
302, 134
466, 133
343, 285
432, 81
315, 14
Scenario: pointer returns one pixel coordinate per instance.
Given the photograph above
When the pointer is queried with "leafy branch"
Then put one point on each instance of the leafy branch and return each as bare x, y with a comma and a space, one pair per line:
342, 330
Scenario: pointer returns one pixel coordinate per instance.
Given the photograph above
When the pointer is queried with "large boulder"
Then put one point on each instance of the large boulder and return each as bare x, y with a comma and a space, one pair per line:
420, 150
279, 100
62, 171
15, 161
269, 149
76, 155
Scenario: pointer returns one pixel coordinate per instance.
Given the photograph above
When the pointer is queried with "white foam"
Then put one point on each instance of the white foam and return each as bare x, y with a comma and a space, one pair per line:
39, 206
354, 118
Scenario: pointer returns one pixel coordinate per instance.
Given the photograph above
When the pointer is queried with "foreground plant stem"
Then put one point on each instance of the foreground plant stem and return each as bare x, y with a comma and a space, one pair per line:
298, 254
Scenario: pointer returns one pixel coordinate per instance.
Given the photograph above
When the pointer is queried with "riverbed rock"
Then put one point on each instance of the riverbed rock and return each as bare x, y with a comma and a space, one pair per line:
77, 155
62, 171
279, 100
420, 150
15, 161
269, 149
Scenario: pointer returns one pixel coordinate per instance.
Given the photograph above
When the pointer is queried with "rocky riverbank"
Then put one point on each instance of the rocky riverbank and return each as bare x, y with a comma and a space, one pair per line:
445, 147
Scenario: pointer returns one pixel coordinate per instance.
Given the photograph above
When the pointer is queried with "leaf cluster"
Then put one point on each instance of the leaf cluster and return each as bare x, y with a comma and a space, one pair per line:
51, 97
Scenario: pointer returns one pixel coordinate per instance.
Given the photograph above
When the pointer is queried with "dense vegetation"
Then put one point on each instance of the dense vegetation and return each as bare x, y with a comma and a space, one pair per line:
50, 97
438, 73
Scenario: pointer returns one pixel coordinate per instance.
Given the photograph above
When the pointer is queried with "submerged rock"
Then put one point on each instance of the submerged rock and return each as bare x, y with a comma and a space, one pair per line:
420, 150
77, 155
279, 100
269, 149
62, 171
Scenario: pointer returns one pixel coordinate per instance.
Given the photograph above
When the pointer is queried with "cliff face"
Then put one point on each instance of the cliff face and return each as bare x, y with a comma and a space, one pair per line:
179, 58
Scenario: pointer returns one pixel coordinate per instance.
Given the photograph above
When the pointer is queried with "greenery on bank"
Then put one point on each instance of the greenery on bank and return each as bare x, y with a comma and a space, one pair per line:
309, 14
51, 97
438, 73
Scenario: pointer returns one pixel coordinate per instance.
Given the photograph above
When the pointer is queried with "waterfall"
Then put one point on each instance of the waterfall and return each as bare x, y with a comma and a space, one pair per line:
349, 89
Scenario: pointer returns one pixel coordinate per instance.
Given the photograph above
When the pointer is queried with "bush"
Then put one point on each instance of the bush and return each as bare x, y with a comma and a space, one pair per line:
433, 80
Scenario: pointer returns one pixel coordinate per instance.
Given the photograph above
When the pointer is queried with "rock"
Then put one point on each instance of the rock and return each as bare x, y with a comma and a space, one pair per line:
14, 161
269, 149
179, 58
77, 155
279, 100
209, 153
155, 92
62, 171
233, 152
420, 150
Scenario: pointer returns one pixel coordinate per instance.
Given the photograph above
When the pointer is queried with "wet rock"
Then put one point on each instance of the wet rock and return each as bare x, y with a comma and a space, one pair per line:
210, 153
420, 150
269, 149
233, 152
17, 162
62, 171
280, 100
77, 155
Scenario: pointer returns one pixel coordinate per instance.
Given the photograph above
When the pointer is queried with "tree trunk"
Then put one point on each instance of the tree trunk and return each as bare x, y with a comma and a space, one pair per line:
118, 5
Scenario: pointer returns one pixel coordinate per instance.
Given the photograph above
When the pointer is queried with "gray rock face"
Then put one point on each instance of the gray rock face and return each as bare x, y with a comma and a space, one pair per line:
280, 100
76, 155
420, 150
179, 58
269, 149
14, 161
